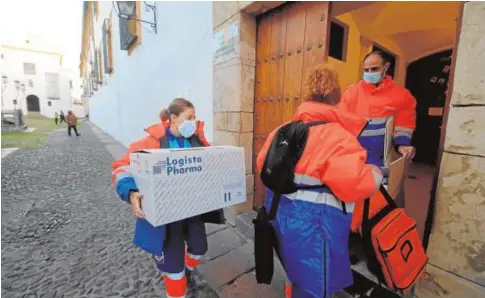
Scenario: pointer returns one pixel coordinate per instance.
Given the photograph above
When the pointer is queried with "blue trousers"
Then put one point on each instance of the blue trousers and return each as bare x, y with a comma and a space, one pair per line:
190, 231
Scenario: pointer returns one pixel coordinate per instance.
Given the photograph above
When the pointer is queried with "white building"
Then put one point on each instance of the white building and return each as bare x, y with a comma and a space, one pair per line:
44, 86
126, 88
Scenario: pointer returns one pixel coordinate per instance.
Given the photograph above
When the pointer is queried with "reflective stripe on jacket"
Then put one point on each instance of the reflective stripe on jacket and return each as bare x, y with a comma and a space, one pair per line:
376, 104
311, 228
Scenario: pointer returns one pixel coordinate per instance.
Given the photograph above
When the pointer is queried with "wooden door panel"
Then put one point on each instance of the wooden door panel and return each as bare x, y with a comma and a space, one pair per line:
316, 32
290, 39
295, 40
262, 86
277, 69
262, 72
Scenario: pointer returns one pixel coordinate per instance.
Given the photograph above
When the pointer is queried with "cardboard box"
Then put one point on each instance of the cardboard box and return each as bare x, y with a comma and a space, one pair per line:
181, 183
397, 174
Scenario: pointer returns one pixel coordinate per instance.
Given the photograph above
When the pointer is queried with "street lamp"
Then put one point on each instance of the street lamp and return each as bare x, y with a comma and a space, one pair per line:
127, 10
22, 87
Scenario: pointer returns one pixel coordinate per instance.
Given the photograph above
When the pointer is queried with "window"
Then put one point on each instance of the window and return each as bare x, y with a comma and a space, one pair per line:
52, 86
3, 57
338, 40
49, 103
390, 57
29, 68
107, 47
130, 31
70, 84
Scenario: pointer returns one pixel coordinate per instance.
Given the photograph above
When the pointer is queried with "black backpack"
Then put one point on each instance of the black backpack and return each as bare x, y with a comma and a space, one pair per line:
278, 175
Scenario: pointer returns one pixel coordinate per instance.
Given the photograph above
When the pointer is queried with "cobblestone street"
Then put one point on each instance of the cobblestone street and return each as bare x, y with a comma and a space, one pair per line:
64, 232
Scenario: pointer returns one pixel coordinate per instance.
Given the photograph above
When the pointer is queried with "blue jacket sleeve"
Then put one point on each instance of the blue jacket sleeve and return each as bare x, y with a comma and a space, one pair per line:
124, 186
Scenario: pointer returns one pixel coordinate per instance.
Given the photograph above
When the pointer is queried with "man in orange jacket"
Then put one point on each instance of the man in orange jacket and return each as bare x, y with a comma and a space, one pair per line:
377, 98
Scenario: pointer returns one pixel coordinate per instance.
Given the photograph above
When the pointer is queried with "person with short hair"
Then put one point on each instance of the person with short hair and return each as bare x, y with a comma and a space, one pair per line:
71, 123
62, 117
376, 97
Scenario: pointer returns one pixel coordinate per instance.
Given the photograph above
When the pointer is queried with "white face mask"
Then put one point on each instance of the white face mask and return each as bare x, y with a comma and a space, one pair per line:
187, 128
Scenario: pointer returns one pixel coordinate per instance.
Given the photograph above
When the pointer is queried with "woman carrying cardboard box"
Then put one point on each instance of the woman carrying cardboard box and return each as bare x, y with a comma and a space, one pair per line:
177, 129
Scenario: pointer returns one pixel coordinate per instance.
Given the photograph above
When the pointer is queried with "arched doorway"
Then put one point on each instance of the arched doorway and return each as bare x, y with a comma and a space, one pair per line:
33, 104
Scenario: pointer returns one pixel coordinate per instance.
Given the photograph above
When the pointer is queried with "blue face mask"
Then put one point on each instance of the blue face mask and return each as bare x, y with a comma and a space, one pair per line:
372, 77
187, 128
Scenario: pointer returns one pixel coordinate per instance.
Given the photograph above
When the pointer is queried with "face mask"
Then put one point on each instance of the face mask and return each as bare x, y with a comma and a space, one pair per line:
187, 128
372, 77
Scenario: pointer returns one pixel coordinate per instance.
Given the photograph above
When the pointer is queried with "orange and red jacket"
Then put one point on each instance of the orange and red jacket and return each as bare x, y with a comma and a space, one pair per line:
376, 104
332, 154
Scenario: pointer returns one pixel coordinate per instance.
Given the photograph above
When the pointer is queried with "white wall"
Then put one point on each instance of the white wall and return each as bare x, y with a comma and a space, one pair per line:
177, 61
13, 66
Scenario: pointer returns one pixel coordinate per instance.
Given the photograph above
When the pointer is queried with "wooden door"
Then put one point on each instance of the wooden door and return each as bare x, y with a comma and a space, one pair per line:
290, 39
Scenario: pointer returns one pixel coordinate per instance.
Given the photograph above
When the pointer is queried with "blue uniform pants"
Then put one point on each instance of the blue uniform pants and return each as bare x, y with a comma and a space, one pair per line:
190, 231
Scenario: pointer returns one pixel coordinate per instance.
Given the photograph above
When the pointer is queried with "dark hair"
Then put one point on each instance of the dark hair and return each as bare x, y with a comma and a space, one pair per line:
378, 53
176, 106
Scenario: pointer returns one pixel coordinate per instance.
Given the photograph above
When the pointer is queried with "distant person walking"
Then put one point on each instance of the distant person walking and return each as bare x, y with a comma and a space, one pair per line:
71, 123
56, 118
62, 118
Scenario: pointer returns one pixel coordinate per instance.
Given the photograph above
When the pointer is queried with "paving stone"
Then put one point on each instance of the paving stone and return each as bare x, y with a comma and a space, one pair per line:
222, 242
213, 228
246, 286
244, 224
64, 233
228, 267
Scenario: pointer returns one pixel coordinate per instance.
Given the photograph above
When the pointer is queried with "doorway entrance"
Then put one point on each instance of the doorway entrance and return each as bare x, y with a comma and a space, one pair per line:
427, 79
290, 39
33, 103
286, 40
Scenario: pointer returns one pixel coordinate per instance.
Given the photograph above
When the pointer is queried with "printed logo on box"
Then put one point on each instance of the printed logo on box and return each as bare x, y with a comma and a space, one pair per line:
227, 197
177, 166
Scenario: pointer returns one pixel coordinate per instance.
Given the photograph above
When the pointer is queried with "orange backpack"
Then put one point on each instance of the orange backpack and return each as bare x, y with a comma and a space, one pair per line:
392, 245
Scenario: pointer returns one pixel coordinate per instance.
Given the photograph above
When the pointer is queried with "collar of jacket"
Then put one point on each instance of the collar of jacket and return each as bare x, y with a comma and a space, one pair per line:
315, 111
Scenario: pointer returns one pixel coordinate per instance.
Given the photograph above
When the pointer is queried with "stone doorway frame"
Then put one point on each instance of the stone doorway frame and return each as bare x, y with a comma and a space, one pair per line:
234, 23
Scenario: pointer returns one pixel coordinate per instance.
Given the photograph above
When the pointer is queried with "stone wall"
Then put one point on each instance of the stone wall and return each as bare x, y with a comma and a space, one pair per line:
233, 80
457, 243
